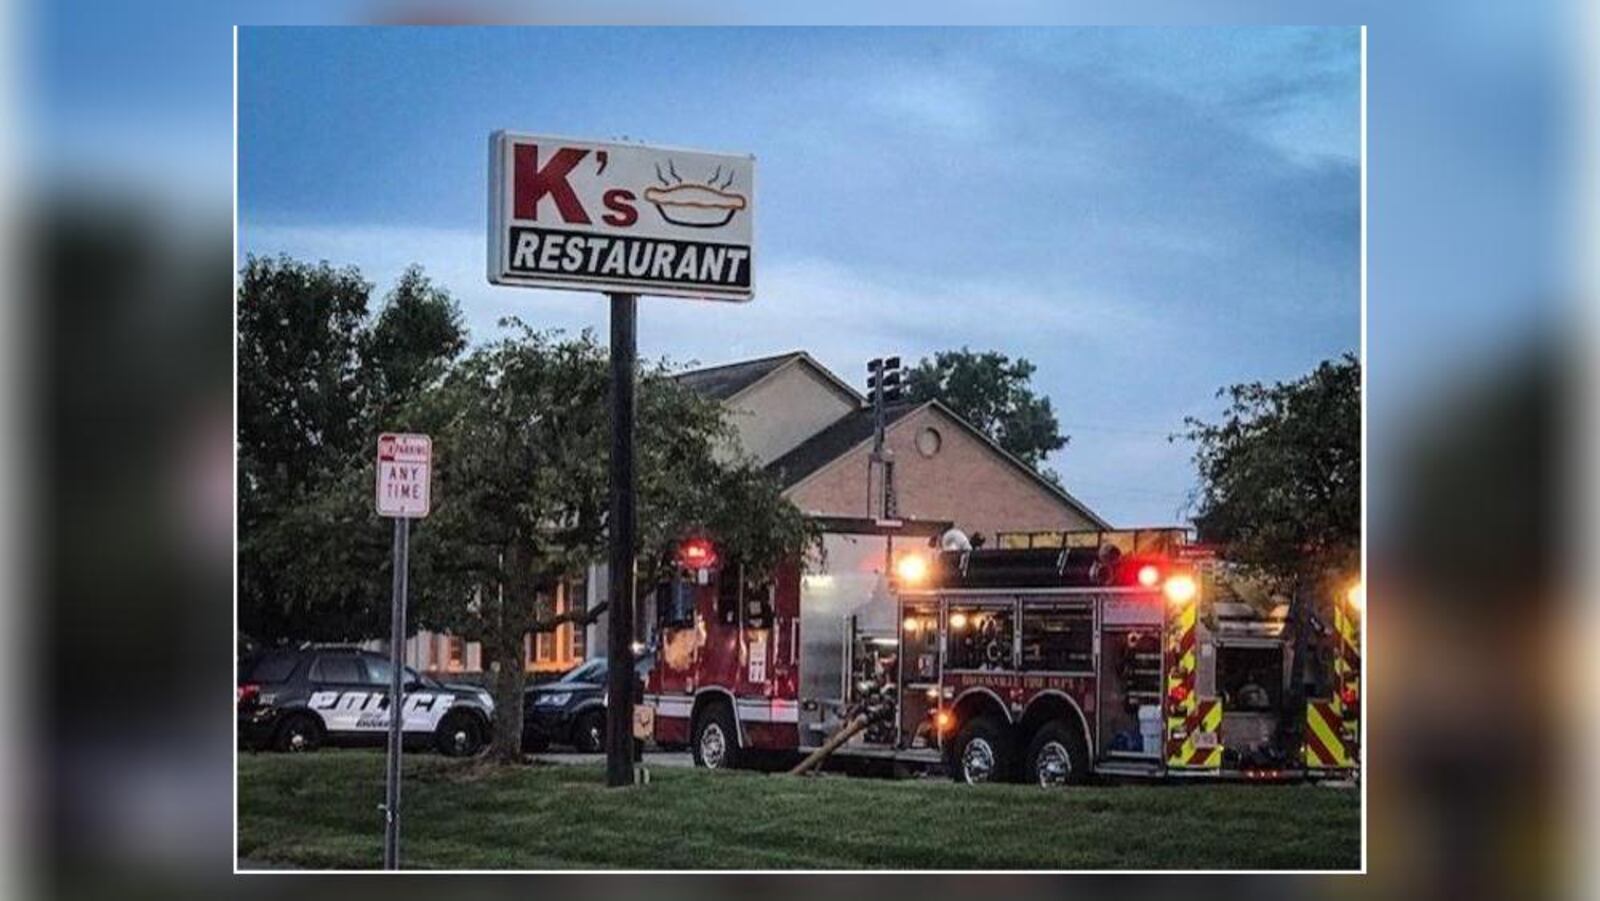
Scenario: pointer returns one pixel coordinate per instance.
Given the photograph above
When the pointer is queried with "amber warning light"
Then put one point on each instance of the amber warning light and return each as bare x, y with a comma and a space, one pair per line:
1180, 590
912, 569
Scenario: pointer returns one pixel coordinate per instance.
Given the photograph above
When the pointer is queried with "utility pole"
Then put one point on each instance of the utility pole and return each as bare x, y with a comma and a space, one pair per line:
623, 525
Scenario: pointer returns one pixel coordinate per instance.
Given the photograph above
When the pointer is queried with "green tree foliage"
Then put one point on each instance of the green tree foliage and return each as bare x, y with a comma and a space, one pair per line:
301, 386
521, 435
994, 393
318, 376
415, 337
521, 442
1280, 475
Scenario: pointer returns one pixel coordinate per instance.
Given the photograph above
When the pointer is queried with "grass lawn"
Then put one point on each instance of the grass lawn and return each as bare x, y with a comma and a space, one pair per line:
320, 810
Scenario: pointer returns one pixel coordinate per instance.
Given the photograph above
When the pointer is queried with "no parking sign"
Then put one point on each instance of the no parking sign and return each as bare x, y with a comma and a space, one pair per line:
404, 465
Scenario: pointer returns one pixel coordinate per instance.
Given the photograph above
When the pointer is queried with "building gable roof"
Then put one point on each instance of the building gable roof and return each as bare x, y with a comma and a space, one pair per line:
855, 430
730, 380
723, 382
833, 442
1049, 486
850, 431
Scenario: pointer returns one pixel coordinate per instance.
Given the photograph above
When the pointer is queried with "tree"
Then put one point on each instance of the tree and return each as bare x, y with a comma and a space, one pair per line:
1281, 474
1281, 494
300, 376
415, 337
994, 394
521, 443
318, 377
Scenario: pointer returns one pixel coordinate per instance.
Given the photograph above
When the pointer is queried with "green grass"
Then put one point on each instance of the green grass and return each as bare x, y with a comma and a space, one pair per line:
320, 810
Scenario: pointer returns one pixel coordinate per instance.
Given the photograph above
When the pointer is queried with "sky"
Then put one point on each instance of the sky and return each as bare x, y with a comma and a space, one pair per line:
1145, 214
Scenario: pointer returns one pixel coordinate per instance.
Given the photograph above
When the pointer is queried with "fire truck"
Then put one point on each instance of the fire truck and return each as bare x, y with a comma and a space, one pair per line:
1050, 658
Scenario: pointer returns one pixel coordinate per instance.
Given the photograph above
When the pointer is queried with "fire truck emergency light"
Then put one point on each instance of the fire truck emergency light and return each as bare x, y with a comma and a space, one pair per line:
697, 553
911, 569
1357, 596
1181, 589
1149, 575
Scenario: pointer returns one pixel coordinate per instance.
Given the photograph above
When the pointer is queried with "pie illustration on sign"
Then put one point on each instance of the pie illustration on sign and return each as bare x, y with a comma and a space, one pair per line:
695, 204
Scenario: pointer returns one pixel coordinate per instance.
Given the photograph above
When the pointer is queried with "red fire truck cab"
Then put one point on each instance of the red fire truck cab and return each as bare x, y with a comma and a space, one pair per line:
1095, 653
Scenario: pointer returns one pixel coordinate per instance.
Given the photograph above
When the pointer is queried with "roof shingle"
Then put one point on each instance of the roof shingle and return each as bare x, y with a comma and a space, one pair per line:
723, 382
832, 442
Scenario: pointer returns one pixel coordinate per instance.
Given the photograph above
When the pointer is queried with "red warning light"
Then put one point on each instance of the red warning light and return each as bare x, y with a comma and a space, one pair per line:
697, 553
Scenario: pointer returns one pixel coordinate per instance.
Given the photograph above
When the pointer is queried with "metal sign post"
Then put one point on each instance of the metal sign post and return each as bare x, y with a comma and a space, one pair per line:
397, 641
619, 674
405, 464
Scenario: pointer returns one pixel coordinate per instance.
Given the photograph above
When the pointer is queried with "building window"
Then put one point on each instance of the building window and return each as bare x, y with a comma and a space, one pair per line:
929, 441
544, 642
578, 593
458, 653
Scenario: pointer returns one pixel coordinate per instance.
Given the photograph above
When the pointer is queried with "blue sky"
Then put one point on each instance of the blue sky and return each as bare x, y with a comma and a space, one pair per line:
1147, 215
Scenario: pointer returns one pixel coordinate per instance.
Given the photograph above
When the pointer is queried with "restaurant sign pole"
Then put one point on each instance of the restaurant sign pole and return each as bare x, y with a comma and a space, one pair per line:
622, 219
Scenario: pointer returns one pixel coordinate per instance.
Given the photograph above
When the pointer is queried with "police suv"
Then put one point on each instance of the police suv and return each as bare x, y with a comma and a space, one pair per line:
297, 700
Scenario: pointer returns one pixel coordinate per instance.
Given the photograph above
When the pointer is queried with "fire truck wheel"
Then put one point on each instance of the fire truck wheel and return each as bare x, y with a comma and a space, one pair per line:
981, 753
716, 739
1056, 756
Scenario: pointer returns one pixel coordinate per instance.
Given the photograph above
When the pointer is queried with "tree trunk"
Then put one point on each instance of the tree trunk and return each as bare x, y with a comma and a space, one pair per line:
509, 680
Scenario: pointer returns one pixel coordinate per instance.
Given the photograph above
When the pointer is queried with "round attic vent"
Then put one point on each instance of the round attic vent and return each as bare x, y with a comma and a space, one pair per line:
928, 442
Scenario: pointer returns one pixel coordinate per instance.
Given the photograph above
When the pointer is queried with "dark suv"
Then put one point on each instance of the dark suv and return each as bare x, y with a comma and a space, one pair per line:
296, 700
572, 709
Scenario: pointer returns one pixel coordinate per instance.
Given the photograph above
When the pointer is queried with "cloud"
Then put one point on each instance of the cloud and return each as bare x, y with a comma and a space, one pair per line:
839, 310
942, 100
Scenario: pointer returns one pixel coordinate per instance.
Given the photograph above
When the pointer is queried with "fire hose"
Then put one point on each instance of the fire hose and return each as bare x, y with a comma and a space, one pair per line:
871, 710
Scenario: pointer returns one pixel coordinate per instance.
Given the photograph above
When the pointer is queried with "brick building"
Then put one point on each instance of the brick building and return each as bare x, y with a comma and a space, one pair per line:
814, 432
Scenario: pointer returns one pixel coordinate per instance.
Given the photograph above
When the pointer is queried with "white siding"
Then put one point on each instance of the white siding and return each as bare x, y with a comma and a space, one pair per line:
780, 412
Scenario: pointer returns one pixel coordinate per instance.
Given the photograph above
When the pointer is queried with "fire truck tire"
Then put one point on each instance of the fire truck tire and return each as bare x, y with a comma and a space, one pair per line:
982, 752
715, 745
1056, 756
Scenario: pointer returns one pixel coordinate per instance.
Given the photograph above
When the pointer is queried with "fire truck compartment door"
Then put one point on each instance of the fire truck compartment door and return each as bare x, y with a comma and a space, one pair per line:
849, 583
